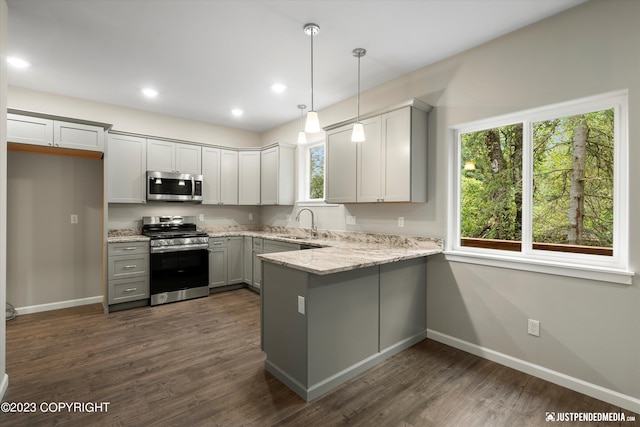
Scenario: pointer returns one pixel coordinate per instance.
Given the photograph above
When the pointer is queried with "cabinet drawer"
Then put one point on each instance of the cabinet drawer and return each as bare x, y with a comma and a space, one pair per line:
220, 242
257, 243
133, 248
124, 290
121, 267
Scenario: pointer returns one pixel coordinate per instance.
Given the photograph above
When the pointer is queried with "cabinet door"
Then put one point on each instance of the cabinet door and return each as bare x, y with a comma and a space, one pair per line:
78, 136
235, 260
257, 269
249, 178
29, 130
211, 175
248, 260
217, 263
228, 177
160, 156
126, 168
269, 176
188, 159
370, 163
396, 134
341, 166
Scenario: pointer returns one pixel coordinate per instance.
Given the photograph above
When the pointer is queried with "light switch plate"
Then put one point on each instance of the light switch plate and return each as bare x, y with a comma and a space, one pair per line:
400, 221
301, 304
74, 219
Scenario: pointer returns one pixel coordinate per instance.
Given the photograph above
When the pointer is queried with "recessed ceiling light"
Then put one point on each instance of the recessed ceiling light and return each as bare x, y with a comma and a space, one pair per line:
149, 92
18, 62
278, 87
237, 112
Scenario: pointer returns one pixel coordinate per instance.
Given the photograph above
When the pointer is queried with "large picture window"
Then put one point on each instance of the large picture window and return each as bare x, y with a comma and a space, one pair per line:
547, 185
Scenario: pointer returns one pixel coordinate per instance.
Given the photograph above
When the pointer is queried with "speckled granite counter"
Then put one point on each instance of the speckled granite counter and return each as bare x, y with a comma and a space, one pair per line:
335, 251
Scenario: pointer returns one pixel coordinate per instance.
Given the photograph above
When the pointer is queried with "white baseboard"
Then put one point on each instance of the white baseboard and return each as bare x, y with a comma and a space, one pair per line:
610, 396
4, 385
57, 305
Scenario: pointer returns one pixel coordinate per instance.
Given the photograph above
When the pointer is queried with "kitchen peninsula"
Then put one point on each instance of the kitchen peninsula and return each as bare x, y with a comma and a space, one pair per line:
331, 313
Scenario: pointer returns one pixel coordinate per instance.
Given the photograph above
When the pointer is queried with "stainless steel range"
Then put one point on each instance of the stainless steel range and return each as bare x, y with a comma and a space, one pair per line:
179, 258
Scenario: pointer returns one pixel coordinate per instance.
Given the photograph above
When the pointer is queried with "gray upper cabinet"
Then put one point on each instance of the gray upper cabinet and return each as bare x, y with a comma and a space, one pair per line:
126, 168
249, 178
168, 156
390, 166
277, 175
54, 133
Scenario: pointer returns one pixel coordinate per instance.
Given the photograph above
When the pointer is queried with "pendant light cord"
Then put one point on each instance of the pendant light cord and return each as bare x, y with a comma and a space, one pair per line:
358, 99
311, 34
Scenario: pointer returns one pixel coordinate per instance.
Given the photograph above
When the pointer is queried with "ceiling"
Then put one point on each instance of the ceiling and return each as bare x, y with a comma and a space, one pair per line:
206, 57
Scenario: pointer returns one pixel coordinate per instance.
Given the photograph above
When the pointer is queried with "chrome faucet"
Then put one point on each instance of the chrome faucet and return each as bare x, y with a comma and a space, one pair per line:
314, 230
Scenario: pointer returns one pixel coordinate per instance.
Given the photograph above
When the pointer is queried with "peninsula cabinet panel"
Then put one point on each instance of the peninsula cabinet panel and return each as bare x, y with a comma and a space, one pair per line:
340, 166
126, 169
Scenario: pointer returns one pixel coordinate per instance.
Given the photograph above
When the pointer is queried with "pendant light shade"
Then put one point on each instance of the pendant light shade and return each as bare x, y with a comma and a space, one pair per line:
313, 124
358, 129
302, 137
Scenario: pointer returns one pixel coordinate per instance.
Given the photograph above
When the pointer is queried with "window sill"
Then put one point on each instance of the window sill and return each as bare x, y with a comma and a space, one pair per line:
603, 274
317, 203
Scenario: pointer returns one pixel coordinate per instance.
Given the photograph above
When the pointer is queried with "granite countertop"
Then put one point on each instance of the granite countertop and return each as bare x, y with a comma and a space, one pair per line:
335, 251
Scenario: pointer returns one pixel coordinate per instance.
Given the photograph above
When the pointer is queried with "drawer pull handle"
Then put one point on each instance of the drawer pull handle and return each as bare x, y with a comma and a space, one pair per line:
133, 248
217, 243
130, 266
131, 289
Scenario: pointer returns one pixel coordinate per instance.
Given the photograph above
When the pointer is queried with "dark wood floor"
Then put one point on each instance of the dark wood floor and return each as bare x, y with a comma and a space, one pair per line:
198, 363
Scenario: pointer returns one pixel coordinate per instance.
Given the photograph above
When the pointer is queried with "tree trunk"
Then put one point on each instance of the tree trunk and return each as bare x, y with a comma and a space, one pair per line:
576, 191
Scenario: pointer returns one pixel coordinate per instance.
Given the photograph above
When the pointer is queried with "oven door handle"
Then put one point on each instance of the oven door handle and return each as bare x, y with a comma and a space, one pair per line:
179, 248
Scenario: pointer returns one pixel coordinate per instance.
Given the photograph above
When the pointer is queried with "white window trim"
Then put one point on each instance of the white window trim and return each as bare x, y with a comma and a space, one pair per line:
610, 269
303, 173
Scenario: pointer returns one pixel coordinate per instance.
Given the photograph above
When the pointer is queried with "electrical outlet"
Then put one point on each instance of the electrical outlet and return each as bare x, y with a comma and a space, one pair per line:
201, 216
250, 216
533, 328
74, 219
400, 221
300, 304
351, 220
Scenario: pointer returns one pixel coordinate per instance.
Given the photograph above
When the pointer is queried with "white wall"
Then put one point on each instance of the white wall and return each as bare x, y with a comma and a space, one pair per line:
130, 120
589, 330
4, 380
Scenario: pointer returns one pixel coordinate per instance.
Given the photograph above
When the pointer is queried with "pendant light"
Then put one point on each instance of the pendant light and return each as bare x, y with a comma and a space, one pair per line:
302, 137
358, 130
313, 124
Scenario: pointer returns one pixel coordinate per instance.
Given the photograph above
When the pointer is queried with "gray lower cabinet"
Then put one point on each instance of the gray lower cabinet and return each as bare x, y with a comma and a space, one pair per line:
248, 259
235, 260
217, 262
339, 325
127, 272
256, 279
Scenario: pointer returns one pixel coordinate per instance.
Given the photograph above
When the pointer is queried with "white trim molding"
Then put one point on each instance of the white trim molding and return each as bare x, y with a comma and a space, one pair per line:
598, 392
58, 305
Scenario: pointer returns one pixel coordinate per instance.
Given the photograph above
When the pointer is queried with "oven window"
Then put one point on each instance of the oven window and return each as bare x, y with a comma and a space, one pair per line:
175, 271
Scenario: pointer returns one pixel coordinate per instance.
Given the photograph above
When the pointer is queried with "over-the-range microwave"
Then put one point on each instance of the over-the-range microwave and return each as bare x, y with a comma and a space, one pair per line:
174, 187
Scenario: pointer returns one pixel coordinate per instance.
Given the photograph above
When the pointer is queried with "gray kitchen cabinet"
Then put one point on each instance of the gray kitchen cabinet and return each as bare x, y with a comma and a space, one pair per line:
249, 177
168, 156
127, 272
48, 132
390, 166
220, 174
217, 262
256, 278
277, 175
235, 260
126, 158
247, 250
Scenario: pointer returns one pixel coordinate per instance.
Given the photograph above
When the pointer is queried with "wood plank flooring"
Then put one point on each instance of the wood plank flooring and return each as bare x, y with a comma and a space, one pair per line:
198, 363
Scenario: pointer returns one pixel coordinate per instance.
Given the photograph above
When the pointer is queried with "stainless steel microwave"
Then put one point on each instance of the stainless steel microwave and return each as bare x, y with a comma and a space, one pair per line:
174, 187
